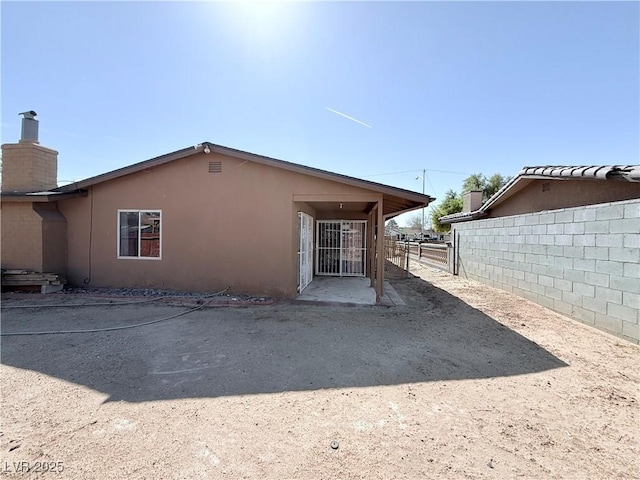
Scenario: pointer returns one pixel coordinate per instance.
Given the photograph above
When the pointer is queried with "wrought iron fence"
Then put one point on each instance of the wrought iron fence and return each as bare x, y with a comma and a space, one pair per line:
395, 252
434, 254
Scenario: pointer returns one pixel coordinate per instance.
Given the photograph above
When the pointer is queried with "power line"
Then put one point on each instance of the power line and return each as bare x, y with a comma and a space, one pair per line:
430, 184
414, 171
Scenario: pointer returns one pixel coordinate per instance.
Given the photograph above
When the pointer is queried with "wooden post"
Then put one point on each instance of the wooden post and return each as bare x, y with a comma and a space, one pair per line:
372, 246
380, 252
406, 252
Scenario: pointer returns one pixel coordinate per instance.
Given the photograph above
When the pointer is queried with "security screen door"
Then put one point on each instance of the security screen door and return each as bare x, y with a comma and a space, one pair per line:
341, 247
305, 250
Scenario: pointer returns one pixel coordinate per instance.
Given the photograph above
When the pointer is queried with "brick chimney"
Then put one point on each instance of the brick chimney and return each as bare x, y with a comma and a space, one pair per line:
472, 201
33, 232
27, 166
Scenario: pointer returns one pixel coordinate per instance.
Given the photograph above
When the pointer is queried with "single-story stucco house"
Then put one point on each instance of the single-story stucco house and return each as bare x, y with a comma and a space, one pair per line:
566, 237
197, 219
535, 189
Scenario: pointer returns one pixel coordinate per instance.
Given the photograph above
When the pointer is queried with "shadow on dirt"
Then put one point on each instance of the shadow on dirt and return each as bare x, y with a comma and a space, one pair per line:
237, 351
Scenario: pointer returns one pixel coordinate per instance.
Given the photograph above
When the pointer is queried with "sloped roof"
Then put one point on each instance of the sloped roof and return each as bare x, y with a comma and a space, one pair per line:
598, 172
396, 200
525, 176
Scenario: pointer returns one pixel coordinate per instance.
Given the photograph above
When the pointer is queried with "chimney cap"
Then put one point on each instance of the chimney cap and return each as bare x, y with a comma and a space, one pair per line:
30, 114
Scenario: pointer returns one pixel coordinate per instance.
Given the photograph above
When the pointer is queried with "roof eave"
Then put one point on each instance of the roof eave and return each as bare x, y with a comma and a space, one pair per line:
324, 174
421, 199
136, 167
41, 197
467, 217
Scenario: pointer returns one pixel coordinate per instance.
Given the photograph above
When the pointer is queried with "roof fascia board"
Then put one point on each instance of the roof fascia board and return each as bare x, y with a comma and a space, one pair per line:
389, 216
41, 198
457, 218
316, 172
186, 152
136, 167
511, 188
336, 197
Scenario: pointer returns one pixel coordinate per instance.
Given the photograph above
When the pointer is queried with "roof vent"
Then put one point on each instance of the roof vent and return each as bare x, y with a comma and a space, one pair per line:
215, 167
29, 127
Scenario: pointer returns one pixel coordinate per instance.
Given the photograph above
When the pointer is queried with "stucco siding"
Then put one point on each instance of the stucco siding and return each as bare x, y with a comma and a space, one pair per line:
54, 238
554, 194
582, 262
237, 227
21, 236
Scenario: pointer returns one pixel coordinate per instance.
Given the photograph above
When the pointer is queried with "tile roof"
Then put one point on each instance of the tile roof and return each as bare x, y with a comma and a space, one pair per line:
587, 172
630, 173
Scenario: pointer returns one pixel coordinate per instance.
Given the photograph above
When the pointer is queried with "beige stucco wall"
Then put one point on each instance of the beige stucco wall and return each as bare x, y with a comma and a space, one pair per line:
21, 237
33, 237
565, 194
237, 228
54, 238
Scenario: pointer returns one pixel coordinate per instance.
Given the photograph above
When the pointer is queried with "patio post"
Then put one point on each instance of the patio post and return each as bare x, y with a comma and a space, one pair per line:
380, 251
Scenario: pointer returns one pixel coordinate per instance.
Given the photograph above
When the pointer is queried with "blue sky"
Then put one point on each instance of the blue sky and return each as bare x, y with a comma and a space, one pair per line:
454, 88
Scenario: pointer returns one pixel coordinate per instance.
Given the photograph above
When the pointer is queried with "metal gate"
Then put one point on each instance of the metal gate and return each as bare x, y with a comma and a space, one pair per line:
341, 248
305, 250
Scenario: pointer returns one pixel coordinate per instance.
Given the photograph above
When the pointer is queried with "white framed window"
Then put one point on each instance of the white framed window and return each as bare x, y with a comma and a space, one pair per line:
140, 234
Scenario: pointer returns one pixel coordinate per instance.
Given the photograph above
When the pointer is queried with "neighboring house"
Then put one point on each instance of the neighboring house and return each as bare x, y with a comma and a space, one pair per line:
565, 237
392, 232
166, 222
410, 233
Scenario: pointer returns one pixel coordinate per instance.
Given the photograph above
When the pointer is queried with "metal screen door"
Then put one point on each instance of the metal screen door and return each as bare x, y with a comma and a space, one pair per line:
341, 247
305, 250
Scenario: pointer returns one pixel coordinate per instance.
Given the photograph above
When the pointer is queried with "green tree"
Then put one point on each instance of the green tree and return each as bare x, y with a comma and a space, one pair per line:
392, 223
451, 203
476, 181
492, 185
489, 186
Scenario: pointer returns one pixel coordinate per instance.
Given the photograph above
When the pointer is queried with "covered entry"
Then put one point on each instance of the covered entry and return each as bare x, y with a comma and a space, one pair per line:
341, 248
349, 231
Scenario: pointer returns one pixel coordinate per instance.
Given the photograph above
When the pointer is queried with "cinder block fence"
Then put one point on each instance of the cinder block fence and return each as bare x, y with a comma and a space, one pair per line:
583, 262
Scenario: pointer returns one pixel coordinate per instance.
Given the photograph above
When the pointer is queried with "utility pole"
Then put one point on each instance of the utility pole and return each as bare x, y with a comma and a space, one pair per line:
424, 174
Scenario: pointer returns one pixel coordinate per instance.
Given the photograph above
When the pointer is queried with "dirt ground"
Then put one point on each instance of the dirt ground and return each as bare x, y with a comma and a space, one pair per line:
464, 382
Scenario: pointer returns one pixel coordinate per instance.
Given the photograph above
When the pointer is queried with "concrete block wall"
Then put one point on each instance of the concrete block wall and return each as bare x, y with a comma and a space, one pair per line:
583, 262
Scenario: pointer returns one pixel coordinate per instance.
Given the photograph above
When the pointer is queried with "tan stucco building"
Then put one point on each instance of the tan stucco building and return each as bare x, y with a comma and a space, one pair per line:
198, 219
543, 188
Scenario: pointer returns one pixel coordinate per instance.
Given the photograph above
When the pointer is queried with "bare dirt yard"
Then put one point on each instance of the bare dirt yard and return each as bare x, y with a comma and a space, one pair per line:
464, 382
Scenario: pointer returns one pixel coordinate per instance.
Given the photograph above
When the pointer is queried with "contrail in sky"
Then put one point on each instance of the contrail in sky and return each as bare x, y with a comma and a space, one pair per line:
347, 116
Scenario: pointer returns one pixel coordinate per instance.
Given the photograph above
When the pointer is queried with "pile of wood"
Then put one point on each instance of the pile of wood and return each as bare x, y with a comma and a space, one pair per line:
20, 278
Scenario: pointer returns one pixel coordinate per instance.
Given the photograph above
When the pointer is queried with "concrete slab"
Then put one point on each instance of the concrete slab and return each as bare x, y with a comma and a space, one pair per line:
391, 298
348, 290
